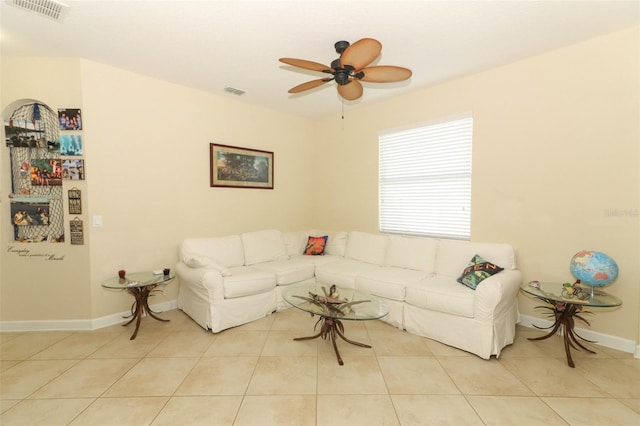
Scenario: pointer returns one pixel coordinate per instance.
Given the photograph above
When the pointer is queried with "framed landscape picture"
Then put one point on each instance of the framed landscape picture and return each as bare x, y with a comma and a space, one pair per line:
237, 167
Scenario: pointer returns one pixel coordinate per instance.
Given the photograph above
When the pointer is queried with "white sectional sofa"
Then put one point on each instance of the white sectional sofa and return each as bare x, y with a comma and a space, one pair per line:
232, 280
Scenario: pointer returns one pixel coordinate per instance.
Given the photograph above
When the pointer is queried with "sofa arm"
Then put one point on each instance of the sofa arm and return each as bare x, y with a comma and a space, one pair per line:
206, 282
497, 294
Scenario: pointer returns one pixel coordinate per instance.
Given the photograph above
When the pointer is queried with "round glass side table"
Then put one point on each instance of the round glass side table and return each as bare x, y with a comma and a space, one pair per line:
566, 308
140, 285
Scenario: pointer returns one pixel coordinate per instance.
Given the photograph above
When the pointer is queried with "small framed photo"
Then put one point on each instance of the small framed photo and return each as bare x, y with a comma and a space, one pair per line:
45, 172
238, 167
69, 119
30, 211
70, 145
73, 169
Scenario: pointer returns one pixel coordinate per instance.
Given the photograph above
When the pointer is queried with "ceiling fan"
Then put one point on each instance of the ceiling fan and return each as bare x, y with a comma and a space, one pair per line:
351, 68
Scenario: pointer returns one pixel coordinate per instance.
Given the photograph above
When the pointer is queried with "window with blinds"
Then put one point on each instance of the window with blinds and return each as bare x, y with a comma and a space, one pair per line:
425, 180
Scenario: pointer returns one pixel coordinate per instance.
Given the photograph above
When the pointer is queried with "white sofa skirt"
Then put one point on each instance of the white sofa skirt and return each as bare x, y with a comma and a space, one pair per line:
479, 337
212, 311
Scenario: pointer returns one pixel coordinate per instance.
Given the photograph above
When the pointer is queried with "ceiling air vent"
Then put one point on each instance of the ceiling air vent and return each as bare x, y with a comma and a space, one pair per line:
234, 91
50, 8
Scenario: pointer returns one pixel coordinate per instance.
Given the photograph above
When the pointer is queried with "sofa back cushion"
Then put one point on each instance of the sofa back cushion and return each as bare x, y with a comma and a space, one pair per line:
336, 243
295, 242
417, 253
226, 251
263, 246
454, 255
369, 248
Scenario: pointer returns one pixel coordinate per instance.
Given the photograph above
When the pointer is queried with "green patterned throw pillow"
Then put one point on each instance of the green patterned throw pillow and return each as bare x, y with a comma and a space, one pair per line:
477, 271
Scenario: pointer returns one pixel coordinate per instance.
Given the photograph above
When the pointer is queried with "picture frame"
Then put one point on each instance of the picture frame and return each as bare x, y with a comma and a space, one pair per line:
29, 211
238, 167
75, 201
70, 145
76, 230
73, 169
45, 172
69, 119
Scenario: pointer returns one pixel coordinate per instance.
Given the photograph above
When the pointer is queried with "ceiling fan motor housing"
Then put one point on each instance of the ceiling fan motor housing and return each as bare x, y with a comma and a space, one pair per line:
342, 75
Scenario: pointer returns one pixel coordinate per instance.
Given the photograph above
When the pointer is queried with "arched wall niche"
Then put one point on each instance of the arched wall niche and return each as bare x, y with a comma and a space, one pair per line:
32, 138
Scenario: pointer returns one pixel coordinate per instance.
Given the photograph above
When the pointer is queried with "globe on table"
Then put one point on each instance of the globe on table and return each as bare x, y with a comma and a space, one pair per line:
593, 268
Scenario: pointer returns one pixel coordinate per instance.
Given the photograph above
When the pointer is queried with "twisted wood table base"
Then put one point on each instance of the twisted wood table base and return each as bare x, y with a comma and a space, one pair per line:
140, 306
564, 314
330, 327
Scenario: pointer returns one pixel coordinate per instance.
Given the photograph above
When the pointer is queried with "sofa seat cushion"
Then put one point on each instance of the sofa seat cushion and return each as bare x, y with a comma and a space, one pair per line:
442, 294
246, 281
288, 271
388, 282
343, 272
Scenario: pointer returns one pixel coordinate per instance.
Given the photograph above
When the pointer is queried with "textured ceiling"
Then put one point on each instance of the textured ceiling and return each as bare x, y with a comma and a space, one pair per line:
210, 44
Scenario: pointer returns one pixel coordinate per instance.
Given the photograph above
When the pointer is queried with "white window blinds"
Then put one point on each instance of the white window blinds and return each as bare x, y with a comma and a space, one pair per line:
425, 180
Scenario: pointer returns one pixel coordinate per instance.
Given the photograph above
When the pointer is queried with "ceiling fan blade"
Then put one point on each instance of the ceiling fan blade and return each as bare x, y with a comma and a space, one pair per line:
309, 85
308, 65
385, 74
350, 91
361, 53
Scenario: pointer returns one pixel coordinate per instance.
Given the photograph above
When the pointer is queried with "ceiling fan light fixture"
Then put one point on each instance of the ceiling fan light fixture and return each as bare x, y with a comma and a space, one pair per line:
341, 46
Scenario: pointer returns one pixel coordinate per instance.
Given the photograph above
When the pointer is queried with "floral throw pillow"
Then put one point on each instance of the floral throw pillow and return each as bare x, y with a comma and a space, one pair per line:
315, 246
477, 271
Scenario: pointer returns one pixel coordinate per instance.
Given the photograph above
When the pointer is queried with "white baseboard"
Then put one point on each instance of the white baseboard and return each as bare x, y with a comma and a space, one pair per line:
606, 340
78, 325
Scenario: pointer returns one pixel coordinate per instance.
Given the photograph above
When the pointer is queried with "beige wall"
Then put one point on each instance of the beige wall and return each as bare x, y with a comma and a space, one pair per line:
556, 156
555, 161
31, 287
146, 147
151, 186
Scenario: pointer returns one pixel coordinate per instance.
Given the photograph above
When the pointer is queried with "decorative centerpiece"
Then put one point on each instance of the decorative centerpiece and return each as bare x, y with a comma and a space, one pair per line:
330, 303
575, 293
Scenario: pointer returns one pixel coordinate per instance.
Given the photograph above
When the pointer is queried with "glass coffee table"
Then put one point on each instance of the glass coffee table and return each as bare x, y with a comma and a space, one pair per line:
140, 285
566, 304
334, 305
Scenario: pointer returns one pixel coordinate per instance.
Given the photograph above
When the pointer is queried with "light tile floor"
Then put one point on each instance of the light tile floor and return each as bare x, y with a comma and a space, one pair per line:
175, 373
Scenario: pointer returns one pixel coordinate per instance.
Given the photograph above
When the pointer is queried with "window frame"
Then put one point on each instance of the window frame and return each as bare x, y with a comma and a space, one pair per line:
445, 146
